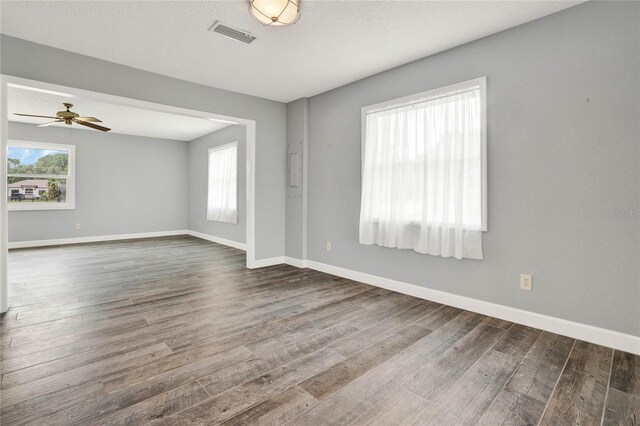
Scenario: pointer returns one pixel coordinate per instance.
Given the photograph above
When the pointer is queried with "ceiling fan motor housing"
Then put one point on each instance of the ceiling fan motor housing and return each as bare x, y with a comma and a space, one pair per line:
67, 115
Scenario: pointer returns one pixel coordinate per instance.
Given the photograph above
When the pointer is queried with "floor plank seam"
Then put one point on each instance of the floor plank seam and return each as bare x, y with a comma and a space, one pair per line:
504, 385
251, 380
205, 389
430, 403
566, 361
358, 330
606, 394
412, 392
307, 410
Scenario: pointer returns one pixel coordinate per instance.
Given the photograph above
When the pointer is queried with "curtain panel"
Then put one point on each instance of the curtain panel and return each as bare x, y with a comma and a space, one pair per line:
222, 200
422, 181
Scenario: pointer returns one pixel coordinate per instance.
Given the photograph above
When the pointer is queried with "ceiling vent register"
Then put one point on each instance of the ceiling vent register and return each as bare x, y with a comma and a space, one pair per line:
238, 35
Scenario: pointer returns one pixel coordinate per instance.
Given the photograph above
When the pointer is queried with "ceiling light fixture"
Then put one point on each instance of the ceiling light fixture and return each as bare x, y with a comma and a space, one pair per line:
275, 12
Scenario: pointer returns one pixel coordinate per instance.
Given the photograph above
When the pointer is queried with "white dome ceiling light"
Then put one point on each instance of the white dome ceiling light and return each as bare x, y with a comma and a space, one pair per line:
275, 12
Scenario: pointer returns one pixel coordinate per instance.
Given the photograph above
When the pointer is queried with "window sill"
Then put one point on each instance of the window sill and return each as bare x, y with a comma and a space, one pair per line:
418, 225
28, 208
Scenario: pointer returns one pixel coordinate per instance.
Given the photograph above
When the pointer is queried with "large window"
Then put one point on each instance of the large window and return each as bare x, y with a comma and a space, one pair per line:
40, 176
222, 203
424, 172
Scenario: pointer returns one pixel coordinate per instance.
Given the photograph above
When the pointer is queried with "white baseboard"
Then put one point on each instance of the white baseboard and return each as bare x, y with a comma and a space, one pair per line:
261, 263
298, 263
588, 333
597, 335
94, 239
223, 241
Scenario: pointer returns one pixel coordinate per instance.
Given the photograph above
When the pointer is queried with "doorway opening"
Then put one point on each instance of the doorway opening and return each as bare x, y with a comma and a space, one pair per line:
40, 190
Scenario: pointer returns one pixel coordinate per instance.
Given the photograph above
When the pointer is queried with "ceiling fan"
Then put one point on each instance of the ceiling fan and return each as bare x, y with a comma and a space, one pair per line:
69, 117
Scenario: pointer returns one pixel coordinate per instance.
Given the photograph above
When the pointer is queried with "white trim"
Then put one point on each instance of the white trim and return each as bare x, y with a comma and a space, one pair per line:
298, 263
4, 212
462, 86
133, 236
483, 121
480, 82
214, 239
261, 263
305, 176
588, 333
94, 239
251, 193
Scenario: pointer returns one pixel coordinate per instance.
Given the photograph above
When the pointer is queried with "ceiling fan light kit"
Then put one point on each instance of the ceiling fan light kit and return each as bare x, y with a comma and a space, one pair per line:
277, 13
69, 117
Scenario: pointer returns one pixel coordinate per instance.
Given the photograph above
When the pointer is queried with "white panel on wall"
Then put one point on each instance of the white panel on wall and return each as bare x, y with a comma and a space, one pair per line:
294, 165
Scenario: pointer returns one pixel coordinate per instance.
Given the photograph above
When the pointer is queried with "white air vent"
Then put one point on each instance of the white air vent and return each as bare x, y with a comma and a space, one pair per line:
239, 35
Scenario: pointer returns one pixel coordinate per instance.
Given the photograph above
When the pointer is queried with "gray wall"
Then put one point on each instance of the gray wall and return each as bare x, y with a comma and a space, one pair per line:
198, 181
563, 149
25, 59
124, 184
297, 132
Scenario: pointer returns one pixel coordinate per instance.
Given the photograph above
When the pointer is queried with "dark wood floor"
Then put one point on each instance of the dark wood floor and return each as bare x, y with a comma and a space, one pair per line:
177, 331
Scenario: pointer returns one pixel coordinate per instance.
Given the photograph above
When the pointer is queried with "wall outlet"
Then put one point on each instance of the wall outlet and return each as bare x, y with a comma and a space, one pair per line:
77, 226
526, 282
199, 221
327, 246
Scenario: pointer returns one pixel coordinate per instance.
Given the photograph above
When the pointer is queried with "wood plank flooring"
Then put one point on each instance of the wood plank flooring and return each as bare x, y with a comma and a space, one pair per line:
175, 331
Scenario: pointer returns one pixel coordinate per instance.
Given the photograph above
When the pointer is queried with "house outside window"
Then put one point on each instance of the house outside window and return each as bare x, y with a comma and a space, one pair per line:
40, 176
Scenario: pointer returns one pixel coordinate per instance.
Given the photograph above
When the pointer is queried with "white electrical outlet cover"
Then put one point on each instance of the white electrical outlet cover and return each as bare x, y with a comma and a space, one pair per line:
526, 282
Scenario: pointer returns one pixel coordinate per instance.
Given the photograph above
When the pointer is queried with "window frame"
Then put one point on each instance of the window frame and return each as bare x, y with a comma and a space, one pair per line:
232, 144
70, 177
480, 82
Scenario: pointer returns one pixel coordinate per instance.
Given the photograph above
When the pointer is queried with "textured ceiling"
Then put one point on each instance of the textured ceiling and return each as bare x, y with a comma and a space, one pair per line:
334, 43
120, 119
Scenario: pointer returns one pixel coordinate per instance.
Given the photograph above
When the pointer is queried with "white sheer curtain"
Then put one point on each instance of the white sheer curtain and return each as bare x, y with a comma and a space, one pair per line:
422, 180
222, 202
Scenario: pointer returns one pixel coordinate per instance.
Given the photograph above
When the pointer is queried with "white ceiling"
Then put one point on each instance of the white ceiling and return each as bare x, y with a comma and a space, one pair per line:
120, 119
334, 43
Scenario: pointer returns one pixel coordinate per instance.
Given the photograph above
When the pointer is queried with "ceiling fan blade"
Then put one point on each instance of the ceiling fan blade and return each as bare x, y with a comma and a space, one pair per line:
93, 126
50, 123
90, 119
31, 115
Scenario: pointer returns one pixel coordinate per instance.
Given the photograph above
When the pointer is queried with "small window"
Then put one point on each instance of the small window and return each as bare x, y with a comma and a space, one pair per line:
222, 203
424, 172
40, 176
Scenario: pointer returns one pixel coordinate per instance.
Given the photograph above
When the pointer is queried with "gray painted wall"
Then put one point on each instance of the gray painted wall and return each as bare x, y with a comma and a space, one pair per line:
297, 132
25, 59
198, 181
124, 184
563, 149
